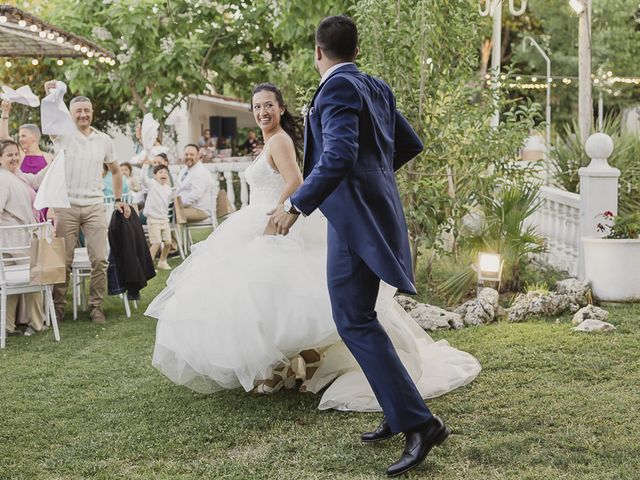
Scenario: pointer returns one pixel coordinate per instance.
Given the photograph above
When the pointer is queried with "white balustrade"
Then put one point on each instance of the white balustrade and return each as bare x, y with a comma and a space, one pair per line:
557, 220
564, 217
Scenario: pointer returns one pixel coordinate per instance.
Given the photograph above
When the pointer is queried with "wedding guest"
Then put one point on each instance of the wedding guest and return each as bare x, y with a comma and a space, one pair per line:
252, 145
16, 199
156, 211
33, 159
194, 189
107, 182
206, 140
86, 150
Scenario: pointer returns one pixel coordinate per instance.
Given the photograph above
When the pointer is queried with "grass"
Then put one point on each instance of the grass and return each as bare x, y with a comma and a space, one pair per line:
549, 404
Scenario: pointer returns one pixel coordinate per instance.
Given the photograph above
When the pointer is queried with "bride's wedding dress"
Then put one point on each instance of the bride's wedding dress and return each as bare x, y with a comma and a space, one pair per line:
245, 303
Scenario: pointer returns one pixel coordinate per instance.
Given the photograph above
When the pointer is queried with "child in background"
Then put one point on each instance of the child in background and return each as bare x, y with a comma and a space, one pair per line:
156, 210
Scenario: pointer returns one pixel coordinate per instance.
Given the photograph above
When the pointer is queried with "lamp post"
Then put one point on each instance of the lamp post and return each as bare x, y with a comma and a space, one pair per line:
585, 102
548, 104
494, 9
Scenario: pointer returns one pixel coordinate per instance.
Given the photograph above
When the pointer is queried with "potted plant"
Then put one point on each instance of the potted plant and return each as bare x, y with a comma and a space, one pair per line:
612, 262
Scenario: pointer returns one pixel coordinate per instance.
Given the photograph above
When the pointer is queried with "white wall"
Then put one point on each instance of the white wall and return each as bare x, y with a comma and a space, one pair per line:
189, 120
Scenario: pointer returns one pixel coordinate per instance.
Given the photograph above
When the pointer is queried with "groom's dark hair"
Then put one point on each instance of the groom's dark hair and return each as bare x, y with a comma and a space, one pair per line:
337, 36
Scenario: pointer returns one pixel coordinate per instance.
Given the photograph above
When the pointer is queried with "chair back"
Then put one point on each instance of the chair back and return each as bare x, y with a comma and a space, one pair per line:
110, 203
15, 244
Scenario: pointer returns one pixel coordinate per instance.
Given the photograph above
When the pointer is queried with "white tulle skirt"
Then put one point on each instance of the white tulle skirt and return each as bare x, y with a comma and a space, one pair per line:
244, 303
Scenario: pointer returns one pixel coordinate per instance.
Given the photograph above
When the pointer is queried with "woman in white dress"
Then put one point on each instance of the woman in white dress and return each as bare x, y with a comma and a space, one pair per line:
250, 309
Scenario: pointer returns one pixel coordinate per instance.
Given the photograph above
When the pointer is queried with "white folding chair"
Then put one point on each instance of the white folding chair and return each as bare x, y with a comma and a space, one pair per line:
15, 248
211, 222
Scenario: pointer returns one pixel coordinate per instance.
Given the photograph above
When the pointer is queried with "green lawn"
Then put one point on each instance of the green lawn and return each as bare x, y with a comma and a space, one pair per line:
549, 404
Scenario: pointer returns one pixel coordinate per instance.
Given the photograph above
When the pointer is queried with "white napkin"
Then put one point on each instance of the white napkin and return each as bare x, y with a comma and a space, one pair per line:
53, 189
149, 131
22, 95
54, 114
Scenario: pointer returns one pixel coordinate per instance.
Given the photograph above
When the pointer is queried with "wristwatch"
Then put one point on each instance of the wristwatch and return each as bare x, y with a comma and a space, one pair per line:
290, 207
116, 200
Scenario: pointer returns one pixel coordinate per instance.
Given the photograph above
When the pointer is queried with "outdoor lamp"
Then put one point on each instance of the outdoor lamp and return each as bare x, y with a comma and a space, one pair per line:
489, 268
577, 5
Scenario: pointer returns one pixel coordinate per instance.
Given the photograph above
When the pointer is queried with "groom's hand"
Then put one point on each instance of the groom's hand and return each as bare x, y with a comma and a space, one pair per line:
282, 220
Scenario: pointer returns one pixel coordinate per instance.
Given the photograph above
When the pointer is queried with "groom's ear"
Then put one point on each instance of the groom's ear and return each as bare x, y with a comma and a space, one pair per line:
319, 54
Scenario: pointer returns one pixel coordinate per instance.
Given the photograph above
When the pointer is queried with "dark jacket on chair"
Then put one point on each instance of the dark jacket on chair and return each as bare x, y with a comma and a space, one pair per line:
130, 254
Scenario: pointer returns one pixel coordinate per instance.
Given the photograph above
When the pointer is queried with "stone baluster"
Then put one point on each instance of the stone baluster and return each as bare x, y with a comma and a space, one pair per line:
231, 194
244, 190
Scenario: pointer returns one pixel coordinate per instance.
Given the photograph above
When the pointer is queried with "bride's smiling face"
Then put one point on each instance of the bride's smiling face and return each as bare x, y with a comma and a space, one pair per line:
266, 110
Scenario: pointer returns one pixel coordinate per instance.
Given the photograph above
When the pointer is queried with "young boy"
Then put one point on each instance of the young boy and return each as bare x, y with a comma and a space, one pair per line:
156, 209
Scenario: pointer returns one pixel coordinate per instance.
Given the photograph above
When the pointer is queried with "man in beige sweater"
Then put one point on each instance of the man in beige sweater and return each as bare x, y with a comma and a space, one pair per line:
85, 151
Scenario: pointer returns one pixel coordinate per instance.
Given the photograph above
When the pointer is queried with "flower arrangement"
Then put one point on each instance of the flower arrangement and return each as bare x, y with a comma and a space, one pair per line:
619, 226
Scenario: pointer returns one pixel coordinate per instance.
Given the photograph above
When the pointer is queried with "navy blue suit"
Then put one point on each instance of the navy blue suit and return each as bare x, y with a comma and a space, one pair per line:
355, 139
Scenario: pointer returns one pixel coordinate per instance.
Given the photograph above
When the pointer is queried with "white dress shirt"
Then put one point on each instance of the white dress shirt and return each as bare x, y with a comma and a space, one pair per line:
195, 186
333, 69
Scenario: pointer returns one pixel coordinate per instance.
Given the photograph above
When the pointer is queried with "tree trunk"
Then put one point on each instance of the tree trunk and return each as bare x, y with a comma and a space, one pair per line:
485, 54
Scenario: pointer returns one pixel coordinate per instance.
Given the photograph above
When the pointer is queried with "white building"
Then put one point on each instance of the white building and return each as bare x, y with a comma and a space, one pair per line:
190, 120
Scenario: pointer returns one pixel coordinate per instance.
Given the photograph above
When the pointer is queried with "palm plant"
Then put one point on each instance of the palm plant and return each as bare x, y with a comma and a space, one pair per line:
504, 230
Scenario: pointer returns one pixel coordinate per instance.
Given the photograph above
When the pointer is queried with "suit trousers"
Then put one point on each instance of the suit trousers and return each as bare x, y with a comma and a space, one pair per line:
93, 222
353, 290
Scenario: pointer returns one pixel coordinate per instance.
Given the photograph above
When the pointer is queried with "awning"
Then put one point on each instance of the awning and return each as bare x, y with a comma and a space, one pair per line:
23, 35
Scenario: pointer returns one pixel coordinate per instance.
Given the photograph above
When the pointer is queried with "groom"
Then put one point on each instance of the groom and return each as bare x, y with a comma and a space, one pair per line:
354, 141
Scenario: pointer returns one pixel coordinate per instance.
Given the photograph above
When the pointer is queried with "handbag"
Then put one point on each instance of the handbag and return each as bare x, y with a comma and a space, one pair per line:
48, 261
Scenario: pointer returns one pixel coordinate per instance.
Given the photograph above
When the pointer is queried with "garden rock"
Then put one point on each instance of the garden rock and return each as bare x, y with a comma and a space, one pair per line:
590, 312
484, 309
592, 325
433, 318
579, 291
407, 303
540, 304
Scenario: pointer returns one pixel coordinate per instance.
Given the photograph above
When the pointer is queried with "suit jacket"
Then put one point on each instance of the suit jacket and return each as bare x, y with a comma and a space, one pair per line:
355, 140
130, 253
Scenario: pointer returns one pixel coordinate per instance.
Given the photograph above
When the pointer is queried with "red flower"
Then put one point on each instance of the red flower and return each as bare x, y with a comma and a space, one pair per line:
608, 213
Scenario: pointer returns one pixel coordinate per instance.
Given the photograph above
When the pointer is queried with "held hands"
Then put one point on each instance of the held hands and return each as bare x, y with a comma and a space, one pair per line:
123, 208
280, 221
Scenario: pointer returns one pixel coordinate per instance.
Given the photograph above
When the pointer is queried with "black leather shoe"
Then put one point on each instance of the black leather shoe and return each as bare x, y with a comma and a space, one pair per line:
418, 446
383, 432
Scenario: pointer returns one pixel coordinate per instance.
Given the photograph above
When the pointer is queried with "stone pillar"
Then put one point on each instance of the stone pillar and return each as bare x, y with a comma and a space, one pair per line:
598, 189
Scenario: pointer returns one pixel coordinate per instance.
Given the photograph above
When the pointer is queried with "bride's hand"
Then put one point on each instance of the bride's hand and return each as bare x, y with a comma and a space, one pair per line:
271, 228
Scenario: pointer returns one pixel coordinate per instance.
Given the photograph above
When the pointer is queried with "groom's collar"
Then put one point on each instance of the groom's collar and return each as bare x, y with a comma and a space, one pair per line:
330, 71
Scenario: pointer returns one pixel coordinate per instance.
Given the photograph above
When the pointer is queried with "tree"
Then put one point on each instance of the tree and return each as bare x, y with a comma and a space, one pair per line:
436, 86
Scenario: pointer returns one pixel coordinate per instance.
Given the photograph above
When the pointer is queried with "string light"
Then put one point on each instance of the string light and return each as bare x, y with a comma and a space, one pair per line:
59, 62
22, 23
85, 62
34, 62
8, 64
3, 19
34, 28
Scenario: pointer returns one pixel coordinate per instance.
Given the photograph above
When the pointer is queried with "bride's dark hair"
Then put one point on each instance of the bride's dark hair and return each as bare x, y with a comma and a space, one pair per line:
289, 123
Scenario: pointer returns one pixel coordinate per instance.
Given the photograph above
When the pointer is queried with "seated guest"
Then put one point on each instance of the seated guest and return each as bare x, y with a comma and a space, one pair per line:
156, 211
253, 145
206, 140
194, 189
132, 182
16, 208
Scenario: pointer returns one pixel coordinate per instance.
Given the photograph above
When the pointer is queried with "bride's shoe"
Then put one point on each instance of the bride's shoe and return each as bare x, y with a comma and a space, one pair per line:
287, 380
308, 366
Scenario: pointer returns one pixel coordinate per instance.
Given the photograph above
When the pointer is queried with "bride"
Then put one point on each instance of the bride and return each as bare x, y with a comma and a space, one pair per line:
251, 309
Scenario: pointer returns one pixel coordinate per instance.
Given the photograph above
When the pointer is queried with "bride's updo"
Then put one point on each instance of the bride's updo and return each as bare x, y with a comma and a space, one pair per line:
288, 122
